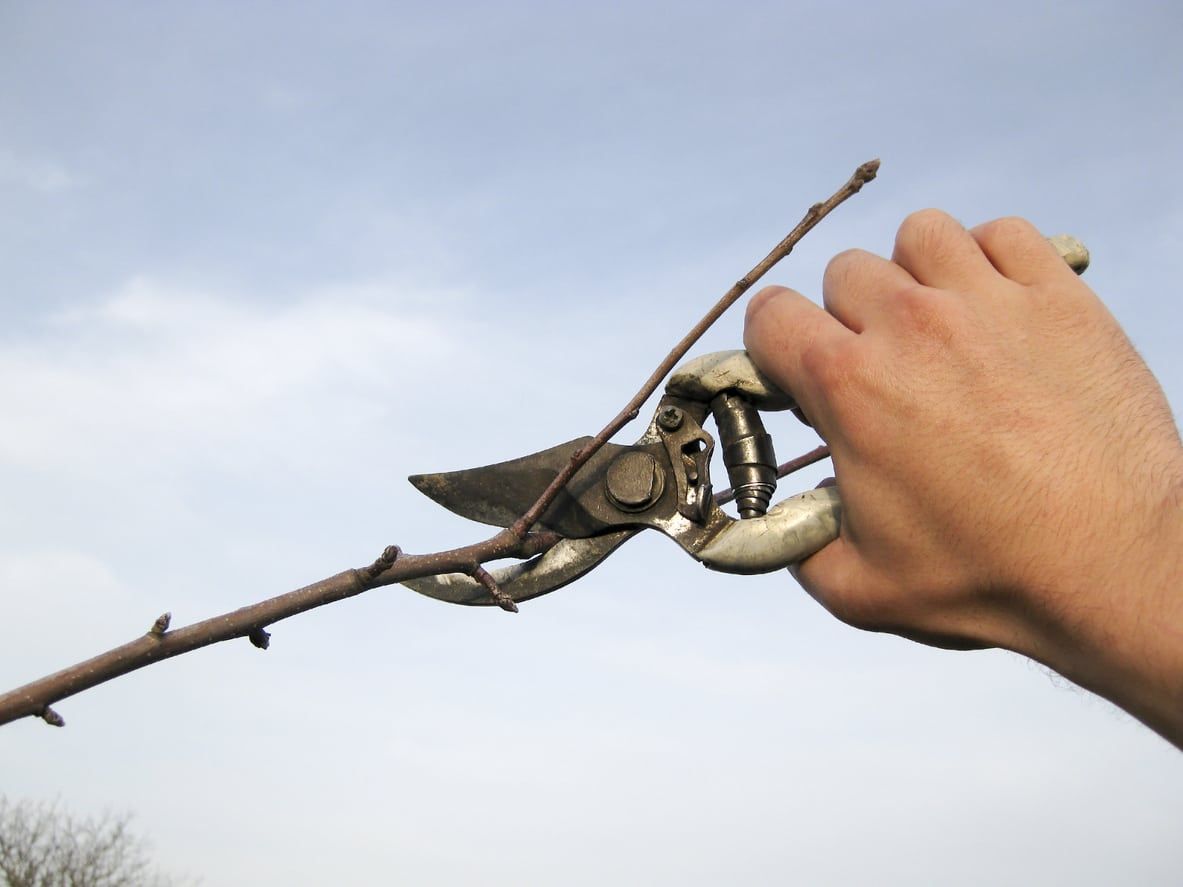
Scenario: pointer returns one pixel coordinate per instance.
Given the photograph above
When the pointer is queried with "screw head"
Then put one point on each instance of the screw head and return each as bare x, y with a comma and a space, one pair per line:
633, 480
670, 418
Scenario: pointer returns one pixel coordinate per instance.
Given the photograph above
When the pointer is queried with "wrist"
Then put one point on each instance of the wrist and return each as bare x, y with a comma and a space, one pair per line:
1115, 626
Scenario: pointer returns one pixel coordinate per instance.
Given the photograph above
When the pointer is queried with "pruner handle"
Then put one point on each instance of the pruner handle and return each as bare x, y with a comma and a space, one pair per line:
705, 378
791, 531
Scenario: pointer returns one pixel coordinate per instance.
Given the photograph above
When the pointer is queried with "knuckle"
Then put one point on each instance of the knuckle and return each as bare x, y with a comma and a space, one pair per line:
1014, 237
838, 378
829, 365
816, 362
923, 219
841, 265
925, 311
1022, 254
926, 230
915, 301
842, 269
1009, 229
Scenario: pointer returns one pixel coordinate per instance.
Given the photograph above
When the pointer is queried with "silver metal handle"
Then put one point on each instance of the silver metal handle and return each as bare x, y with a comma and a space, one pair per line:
791, 531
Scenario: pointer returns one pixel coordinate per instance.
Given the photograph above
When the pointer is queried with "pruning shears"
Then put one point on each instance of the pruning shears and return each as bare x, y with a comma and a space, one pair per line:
661, 482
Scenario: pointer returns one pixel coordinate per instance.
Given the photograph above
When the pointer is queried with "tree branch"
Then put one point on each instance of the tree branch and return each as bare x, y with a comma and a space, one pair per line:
393, 565
249, 622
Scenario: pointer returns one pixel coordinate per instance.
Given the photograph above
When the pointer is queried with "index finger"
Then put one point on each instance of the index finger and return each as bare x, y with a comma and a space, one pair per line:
788, 337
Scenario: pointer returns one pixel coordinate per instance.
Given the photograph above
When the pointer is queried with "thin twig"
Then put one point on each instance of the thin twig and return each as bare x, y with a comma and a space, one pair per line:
485, 578
250, 622
393, 565
782, 470
865, 173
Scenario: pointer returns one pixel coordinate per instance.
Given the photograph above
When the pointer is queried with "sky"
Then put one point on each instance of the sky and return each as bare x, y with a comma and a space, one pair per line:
263, 261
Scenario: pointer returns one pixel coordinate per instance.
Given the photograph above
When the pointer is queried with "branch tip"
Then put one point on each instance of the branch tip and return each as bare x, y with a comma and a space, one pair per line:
52, 718
865, 173
259, 637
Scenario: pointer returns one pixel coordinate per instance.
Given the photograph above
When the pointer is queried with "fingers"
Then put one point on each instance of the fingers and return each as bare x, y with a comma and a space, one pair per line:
836, 578
840, 580
936, 250
1017, 249
858, 285
789, 338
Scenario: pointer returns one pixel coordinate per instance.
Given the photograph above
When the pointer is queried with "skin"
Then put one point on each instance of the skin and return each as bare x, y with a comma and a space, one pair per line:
1010, 470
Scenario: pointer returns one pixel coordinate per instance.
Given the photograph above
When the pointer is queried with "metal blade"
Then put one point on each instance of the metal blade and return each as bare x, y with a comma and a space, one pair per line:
499, 494
564, 563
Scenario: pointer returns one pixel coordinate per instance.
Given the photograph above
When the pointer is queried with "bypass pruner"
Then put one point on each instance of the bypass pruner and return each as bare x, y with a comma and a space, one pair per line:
662, 481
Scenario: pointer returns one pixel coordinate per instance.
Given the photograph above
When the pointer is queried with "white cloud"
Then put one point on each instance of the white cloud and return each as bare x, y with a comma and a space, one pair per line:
174, 372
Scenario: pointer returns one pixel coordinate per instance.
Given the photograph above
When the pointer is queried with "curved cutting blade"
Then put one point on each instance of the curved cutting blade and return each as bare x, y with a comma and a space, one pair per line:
563, 564
499, 494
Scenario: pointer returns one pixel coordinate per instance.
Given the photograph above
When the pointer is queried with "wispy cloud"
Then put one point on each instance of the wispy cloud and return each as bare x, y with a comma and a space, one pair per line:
176, 371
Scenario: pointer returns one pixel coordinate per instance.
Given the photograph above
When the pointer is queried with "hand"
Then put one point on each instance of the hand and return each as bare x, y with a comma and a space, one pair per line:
1010, 470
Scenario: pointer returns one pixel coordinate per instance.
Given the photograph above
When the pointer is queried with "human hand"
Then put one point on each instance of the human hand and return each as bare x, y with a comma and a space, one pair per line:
1010, 471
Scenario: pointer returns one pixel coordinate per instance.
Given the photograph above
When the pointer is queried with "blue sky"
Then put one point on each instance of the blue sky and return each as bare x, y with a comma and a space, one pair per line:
262, 261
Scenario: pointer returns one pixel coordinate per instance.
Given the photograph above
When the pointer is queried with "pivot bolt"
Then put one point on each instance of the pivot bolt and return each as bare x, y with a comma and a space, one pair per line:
633, 480
670, 418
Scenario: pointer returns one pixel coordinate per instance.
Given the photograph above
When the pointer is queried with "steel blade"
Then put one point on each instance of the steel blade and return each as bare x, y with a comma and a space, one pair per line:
499, 494
563, 564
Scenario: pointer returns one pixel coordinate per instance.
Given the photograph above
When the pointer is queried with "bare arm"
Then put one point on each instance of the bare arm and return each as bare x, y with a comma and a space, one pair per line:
1011, 472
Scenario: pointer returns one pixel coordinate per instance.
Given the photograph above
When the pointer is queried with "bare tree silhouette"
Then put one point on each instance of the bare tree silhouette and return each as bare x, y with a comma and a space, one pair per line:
41, 845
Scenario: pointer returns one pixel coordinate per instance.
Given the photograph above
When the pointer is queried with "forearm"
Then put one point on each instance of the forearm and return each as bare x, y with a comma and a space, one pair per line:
1119, 633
